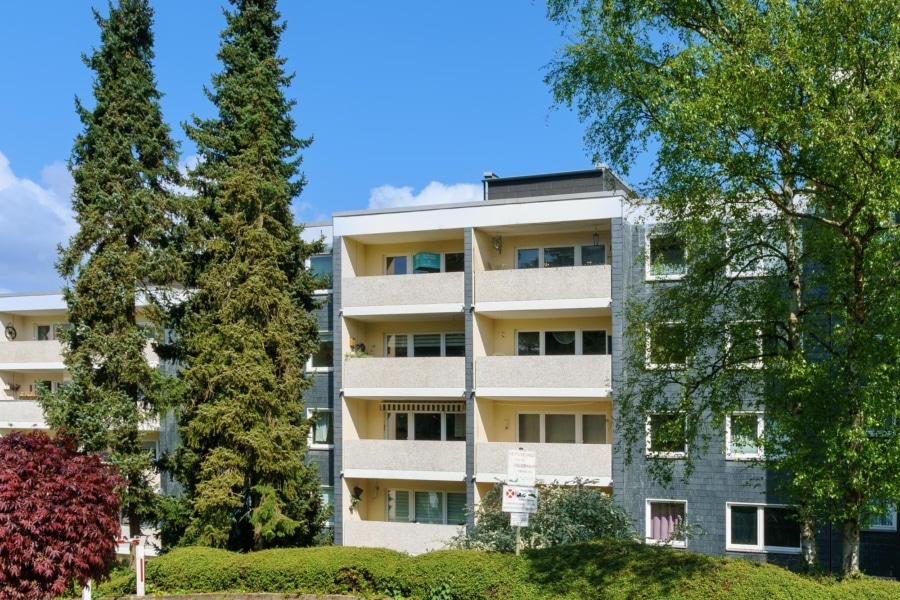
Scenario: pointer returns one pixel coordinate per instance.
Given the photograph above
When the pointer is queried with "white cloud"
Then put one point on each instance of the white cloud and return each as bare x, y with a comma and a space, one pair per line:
388, 196
34, 219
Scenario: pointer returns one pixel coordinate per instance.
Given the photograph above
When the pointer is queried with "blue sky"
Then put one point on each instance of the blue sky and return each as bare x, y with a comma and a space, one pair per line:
409, 102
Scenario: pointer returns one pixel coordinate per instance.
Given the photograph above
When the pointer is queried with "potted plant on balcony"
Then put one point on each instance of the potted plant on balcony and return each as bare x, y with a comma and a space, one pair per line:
13, 387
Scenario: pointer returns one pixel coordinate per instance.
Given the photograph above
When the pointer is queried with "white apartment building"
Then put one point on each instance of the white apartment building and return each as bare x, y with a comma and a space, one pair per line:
464, 331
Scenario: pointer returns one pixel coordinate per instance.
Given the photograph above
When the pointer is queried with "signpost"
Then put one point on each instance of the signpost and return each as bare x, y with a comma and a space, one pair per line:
520, 497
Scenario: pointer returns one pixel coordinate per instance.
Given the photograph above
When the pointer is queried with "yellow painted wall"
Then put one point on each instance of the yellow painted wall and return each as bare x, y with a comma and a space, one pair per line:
373, 503
497, 420
372, 334
490, 260
373, 263
353, 257
498, 336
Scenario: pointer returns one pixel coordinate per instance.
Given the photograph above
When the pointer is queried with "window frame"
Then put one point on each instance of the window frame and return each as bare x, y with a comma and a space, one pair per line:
577, 260
410, 343
310, 367
760, 428
759, 343
52, 332
762, 269
649, 437
412, 505
433, 408
579, 426
579, 341
648, 522
325, 290
328, 501
761, 546
660, 232
651, 366
312, 444
882, 527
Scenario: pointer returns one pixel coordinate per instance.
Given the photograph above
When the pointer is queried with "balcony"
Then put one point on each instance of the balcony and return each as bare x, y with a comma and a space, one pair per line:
428, 377
543, 376
394, 295
553, 462
31, 356
401, 459
21, 414
412, 538
578, 291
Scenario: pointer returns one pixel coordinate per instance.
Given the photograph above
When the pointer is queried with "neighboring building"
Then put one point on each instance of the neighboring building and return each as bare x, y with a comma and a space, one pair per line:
31, 356
464, 331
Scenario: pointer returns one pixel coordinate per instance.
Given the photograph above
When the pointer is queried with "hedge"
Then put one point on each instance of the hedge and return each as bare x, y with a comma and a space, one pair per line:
609, 570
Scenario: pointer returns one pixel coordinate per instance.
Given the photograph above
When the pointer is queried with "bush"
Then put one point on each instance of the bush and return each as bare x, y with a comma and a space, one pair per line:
566, 514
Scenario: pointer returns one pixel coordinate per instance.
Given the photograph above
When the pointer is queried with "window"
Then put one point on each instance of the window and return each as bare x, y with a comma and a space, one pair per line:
322, 268
404, 345
665, 435
744, 342
560, 256
885, 521
396, 265
663, 519
151, 448
561, 428
326, 492
756, 528
562, 343
665, 257
666, 346
46, 333
436, 421
322, 359
413, 506
752, 254
321, 427
743, 436
454, 262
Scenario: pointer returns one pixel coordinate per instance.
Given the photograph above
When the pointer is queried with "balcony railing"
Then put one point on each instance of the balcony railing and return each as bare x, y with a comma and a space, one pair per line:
559, 462
21, 413
413, 538
433, 292
580, 376
426, 376
404, 459
534, 285
23, 354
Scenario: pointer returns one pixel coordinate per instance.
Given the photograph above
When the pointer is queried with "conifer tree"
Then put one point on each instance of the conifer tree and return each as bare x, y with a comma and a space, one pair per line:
123, 163
245, 332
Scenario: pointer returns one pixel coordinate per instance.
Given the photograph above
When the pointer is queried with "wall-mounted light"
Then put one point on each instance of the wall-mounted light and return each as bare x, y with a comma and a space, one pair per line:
506, 423
596, 237
498, 243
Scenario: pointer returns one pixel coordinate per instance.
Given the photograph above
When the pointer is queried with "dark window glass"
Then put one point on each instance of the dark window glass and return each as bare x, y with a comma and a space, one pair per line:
666, 256
593, 342
396, 346
395, 265
593, 429
454, 262
456, 508
559, 257
667, 433
667, 344
743, 525
527, 258
430, 507
456, 427
324, 356
529, 429
427, 344
593, 255
427, 426
560, 429
558, 343
401, 426
321, 267
529, 343
455, 344
780, 528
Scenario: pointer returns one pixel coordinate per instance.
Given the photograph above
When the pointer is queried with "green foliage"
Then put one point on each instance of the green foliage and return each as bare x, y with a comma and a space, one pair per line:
566, 514
123, 164
246, 330
609, 569
777, 131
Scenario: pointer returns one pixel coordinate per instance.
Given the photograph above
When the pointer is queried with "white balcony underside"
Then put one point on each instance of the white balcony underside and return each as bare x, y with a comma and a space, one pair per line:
413, 538
405, 475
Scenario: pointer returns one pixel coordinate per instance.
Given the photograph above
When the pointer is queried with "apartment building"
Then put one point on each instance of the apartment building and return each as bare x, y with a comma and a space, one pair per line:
464, 331
31, 357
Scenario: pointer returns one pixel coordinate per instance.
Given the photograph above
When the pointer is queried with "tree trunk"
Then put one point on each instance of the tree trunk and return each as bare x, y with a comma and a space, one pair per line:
808, 548
850, 548
134, 524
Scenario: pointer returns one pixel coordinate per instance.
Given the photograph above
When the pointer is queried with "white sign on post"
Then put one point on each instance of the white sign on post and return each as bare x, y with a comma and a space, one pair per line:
520, 468
517, 499
518, 519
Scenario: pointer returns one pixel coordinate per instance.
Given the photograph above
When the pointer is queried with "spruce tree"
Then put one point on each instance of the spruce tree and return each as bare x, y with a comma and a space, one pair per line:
246, 331
123, 163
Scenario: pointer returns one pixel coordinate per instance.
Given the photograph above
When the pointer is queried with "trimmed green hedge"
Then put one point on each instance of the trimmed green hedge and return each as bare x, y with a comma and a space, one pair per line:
612, 570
